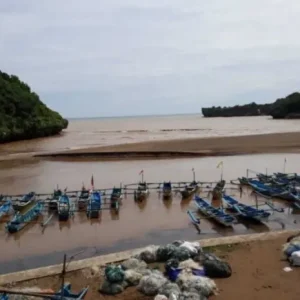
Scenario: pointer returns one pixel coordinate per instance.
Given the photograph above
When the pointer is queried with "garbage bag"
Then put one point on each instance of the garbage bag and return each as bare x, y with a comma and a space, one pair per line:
165, 252
191, 296
132, 277
189, 263
181, 253
295, 259
191, 283
291, 247
171, 263
110, 288
193, 247
202, 256
160, 297
178, 243
217, 269
173, 273
114, 274
148, 255
168, 289
150, 284
133, 263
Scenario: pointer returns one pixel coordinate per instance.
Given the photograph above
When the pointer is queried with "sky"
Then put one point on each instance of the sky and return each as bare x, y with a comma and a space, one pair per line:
130, 57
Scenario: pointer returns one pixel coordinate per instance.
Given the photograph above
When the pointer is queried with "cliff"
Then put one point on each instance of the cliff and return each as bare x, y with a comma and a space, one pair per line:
288, 107
22, 114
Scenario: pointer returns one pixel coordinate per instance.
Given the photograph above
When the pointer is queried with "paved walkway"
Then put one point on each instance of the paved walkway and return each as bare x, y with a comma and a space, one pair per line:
120, 256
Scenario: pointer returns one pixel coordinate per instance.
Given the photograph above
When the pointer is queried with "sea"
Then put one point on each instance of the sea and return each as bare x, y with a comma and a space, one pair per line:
136, 225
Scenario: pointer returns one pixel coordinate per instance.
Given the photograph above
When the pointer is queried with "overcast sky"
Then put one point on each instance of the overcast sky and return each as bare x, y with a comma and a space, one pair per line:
127, 57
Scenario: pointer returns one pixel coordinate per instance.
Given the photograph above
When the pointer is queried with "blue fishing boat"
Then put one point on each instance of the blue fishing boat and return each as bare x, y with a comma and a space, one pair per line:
264, 189
115, 198
67, 294
4, 296
24, 217
246, 211
214, 213
94, 205
167, 190
25, 201
189, 190
64, 208
5, 208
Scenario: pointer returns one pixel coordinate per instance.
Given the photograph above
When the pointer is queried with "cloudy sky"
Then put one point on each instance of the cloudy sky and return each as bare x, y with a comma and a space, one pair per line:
127, 57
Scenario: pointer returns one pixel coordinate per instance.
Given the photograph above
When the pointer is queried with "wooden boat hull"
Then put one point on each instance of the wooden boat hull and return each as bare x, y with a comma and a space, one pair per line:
141, 195
53, 205
167, 194
188, 193
19, 220
214, 213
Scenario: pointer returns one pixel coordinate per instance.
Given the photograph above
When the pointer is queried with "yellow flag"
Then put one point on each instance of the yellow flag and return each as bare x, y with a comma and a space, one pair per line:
220, 164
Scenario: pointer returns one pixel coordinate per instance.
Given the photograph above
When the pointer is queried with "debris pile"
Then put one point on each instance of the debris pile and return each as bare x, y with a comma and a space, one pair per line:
186, 273
291, 250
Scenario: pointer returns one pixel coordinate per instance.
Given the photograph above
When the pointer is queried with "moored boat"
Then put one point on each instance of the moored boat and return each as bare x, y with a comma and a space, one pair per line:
54, 201
189, 190
142, 192
214, 213
94, 204
167, 190
83, 199
246, 211
24, 217
64, 208
116, 198
25, 201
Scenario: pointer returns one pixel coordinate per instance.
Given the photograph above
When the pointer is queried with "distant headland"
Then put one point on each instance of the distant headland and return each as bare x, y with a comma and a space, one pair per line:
284, 108
22, 114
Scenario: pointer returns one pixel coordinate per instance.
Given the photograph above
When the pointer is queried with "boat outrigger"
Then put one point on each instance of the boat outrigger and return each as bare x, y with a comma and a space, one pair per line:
189, 190
246, 211
24, 217
167, 190
142, 192
94, 204
214, 213
63, 208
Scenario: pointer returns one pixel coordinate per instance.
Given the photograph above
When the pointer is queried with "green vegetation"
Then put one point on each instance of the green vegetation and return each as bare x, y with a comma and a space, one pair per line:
22, 114
288, 107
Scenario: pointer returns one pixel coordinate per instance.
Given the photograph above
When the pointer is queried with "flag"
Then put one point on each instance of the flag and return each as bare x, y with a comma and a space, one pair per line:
142, 171
92, 182
220, 164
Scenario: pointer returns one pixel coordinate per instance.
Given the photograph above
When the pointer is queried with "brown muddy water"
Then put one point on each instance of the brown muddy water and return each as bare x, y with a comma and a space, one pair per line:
154, 222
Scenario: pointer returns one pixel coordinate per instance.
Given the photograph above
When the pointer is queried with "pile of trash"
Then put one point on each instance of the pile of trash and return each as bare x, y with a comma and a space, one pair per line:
291, 250
187, 273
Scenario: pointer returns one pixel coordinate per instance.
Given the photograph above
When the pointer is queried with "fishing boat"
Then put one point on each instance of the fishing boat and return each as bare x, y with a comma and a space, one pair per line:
83, 198
5, 208
25, 201
142, 192
67, 294
244, 180
167, 190
189, 190
214, 213
53, 203
24, 217
246, 211
218, 189
64, 208
94, 204
115, 198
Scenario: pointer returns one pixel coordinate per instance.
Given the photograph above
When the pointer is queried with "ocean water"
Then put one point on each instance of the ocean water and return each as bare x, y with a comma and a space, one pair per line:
83, 133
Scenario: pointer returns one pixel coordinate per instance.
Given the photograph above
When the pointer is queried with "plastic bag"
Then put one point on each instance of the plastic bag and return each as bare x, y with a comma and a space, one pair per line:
149, 285
133, 277
168, 289
148, 255
295, 259
133, 263
191, 296
114, 274
111, 288
291, 247
181, 253
193, 248
165, 252
217, 269
189, 264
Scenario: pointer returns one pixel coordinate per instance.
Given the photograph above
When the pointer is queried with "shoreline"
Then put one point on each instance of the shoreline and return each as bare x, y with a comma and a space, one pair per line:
102, 260
288, 142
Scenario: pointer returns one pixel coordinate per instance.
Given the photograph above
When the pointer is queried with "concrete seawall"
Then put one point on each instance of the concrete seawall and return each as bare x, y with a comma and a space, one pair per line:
120, 256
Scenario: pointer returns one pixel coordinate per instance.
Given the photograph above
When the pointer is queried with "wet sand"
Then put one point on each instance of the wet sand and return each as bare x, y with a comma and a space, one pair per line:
257, 274
214, 146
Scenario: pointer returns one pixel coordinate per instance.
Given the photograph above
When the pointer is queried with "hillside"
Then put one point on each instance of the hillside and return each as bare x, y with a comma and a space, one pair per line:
22, 114
288, 107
